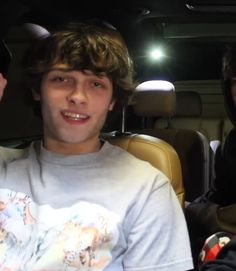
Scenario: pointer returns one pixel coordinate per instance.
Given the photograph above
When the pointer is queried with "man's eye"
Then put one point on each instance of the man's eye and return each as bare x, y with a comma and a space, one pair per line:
59, 79
97, 84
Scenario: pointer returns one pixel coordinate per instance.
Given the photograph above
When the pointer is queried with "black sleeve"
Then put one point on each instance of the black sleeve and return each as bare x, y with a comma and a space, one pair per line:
226, 259
223, 191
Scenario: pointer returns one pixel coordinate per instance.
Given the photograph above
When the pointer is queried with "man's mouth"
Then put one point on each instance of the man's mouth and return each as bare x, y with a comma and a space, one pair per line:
75, 116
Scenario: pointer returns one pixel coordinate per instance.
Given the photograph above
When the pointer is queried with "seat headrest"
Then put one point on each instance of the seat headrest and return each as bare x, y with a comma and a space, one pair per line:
188, 104
155, 98
26, 32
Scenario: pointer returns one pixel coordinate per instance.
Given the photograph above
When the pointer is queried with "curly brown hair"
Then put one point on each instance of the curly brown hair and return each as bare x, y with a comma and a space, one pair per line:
83, 46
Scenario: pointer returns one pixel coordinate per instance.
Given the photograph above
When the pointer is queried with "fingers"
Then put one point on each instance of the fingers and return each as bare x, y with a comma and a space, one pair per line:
3, 83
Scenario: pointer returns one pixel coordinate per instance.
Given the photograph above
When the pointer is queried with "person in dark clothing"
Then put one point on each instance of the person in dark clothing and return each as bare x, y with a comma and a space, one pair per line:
215, 211
225, 260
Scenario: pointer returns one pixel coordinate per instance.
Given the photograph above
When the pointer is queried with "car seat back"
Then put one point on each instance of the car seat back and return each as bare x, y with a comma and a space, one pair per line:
192, 146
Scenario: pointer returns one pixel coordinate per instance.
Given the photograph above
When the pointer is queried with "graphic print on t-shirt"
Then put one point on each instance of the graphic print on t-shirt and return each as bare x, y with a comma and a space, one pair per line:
41, 238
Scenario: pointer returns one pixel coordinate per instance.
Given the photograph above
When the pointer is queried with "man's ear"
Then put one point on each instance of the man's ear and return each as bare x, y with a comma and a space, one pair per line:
112, 104
36, 95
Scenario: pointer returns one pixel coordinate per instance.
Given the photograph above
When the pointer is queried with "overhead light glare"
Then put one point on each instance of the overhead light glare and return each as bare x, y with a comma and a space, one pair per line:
156, 54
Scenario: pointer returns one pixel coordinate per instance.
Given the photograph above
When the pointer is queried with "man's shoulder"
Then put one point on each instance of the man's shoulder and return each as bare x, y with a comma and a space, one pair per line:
118, 151
8, 154
130, 161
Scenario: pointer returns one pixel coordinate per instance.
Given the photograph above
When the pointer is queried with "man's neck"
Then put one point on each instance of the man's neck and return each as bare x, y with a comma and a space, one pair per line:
72, 148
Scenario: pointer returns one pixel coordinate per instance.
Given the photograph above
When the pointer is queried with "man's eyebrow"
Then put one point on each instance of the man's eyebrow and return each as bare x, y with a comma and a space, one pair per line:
60, 69
87, 72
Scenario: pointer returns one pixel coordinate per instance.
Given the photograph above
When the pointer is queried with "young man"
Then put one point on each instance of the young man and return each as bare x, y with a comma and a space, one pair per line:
216, 210
73, 201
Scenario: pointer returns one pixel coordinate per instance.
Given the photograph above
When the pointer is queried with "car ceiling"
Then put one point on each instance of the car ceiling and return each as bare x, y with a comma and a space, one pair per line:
194, 31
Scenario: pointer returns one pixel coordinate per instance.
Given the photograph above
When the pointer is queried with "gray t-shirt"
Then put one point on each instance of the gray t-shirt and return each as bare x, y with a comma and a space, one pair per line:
99, 211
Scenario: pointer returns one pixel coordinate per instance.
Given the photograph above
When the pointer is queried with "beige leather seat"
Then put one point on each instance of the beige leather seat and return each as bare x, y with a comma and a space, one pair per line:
155, 101
156, 151
189, 115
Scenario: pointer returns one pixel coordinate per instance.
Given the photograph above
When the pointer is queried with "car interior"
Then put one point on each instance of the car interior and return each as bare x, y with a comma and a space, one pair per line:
176, 118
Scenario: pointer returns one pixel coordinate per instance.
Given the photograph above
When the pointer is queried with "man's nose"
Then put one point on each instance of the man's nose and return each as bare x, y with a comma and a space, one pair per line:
77, 94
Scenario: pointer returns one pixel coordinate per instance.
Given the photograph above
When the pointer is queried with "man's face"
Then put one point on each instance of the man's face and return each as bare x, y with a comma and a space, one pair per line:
74, 109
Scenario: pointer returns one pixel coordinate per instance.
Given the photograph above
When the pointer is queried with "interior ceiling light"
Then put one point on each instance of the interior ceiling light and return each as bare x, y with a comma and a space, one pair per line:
156, 54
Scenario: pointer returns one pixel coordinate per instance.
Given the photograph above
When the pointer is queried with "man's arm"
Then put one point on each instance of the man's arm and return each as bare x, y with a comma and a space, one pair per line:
158, 239
3, 83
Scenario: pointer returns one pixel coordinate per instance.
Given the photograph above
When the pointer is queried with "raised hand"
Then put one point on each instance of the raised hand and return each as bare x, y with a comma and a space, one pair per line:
3, 83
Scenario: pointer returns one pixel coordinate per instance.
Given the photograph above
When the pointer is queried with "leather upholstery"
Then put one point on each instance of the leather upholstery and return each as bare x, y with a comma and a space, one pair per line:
145, 99
156, 151
192, 146
193, 151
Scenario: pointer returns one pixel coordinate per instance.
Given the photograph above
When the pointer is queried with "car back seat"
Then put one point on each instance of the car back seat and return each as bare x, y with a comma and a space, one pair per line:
188, 109
155, 100
189, 116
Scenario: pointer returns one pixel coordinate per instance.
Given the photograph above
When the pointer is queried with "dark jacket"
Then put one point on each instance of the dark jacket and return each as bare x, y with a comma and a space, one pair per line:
226, 259
216, 210
223, 191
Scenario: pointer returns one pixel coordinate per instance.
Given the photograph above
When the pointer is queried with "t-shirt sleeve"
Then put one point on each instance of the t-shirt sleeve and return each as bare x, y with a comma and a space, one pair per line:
158, 239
